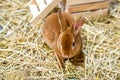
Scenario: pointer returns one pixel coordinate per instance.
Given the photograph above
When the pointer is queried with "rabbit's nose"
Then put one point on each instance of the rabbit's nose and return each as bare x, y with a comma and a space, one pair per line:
66, 56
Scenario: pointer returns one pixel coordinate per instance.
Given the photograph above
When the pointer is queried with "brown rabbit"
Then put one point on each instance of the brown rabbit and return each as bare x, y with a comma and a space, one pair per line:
61, 33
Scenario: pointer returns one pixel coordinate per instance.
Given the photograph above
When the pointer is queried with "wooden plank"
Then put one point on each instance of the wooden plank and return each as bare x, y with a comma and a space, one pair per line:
45, 11
34, 10
87, 7
102, 12
41, 4
48, 1
74, 2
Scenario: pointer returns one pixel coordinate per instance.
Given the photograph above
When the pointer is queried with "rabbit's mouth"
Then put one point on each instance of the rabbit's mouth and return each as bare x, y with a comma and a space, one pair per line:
68, 55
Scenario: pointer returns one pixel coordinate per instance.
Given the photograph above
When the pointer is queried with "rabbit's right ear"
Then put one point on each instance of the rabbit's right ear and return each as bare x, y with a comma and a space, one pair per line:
62, 21
78, 24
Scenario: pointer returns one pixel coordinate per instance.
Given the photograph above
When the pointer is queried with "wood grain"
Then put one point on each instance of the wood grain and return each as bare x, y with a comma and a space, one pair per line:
102, 12
87, 7
74, 2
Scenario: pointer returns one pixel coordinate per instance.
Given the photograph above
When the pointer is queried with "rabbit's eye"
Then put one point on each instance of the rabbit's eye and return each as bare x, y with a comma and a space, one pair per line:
73, 44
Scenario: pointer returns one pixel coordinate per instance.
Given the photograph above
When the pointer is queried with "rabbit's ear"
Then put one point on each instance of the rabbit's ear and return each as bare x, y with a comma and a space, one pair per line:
78, 24
63, 4
62, 21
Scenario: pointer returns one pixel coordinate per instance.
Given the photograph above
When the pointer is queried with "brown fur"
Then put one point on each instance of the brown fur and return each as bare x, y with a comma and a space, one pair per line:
59, 34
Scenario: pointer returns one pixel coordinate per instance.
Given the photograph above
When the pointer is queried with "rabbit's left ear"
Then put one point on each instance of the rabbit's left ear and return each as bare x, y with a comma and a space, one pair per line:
62, 21
78, 24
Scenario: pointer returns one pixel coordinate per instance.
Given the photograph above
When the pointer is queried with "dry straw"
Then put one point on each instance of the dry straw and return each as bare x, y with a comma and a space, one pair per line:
24, 56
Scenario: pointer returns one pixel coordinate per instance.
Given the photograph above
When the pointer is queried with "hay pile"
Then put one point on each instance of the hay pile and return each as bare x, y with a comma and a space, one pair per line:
24, 56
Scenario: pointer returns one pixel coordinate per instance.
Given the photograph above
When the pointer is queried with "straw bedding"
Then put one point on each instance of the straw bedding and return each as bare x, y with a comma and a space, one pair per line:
24, 56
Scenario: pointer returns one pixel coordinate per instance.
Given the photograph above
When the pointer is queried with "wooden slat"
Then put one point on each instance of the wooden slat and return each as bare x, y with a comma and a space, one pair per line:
102, 12
45, 11
40, 4
74, 2
87, 7
34, 10
48, 1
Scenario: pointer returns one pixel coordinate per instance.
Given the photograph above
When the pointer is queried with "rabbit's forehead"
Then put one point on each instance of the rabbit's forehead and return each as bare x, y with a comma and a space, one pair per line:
67, 38
66, 42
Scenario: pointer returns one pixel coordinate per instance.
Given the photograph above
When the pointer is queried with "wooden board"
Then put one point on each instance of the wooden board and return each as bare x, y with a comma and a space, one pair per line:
34, 9
41, 4
75, 2
88, 7
102, 12
43, 10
